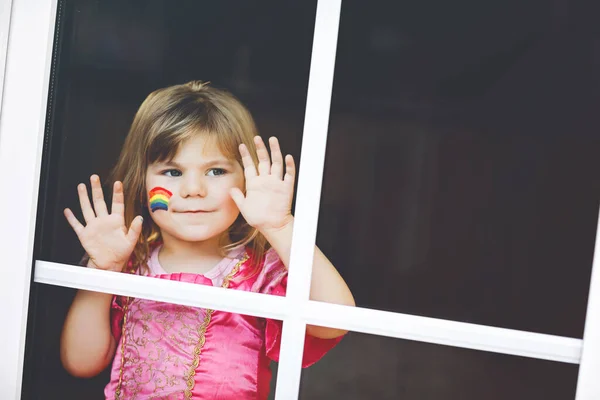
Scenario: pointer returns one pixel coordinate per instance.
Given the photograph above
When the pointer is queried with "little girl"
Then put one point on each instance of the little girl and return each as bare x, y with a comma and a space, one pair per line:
204, 203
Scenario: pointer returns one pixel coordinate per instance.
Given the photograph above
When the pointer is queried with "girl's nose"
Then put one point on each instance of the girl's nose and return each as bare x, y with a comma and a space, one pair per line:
193, 186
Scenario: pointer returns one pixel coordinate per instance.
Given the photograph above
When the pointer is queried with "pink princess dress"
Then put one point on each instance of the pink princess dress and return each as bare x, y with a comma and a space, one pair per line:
169, 351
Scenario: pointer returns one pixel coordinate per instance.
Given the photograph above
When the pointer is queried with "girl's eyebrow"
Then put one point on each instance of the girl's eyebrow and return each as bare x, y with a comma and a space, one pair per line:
218, 161
209, 163
168, 163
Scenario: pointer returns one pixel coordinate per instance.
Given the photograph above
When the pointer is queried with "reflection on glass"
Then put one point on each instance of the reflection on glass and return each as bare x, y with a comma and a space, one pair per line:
111, 55
462, 161
375, 367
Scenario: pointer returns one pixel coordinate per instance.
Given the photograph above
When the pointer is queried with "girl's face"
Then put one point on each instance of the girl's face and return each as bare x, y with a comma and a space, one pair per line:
199, 179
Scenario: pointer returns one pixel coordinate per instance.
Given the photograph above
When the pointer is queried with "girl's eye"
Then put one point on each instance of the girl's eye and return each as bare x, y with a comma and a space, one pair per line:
172, 172
216, 172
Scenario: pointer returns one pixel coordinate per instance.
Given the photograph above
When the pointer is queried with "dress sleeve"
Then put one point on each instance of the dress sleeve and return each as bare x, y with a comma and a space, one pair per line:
116, 317
272, 279
117, 310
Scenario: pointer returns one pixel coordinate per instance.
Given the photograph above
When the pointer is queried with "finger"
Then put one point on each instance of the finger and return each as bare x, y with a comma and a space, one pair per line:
118, 200
264, 162
84, 202
276, 157
135, 230
73, 221
290, 171
247, 162
238, 197
98, 196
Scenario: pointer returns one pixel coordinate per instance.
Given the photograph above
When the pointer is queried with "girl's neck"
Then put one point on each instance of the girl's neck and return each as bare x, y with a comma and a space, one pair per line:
197, 257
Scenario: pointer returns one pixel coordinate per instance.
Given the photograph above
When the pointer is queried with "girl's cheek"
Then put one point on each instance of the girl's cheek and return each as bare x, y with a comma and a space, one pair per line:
231, 182
223, 193
165, 182
238, 181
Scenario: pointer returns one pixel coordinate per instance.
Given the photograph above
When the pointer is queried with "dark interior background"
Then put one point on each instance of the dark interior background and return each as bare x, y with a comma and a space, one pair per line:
460, 179
376, 367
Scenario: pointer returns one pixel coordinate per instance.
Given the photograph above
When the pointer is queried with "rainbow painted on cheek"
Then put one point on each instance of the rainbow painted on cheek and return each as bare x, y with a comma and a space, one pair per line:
159, 199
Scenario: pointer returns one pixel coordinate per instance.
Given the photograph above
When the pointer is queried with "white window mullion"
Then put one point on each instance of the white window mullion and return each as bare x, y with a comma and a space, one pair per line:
312, 159
588, 383
163, 290
445, 332
369, 321
28, 61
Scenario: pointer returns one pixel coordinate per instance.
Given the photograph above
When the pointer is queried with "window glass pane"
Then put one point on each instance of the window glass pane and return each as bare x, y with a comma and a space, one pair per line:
158, 350
112, 54
461, 176
376, 367
109, 56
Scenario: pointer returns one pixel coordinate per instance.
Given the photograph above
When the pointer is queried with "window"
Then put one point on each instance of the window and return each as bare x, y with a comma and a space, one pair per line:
470, 178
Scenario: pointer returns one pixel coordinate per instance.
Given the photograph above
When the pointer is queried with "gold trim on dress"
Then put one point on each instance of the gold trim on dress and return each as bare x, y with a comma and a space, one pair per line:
190, 381
189, 376
118, 391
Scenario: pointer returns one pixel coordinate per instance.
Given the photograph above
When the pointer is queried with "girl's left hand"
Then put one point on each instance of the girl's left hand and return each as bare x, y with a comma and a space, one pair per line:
267, 205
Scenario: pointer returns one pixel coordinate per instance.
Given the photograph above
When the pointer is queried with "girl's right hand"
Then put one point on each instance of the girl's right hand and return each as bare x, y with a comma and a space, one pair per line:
105, 238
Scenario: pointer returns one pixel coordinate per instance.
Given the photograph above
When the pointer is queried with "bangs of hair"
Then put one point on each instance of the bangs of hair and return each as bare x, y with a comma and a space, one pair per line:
190, 118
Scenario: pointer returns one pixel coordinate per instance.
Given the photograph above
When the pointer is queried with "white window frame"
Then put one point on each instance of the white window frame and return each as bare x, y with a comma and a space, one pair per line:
26, 88
5, 8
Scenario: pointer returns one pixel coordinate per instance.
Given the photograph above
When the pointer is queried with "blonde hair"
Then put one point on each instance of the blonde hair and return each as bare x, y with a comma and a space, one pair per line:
166, 119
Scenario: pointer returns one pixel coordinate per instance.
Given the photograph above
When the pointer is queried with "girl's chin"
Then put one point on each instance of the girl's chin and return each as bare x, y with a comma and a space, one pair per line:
194, 235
